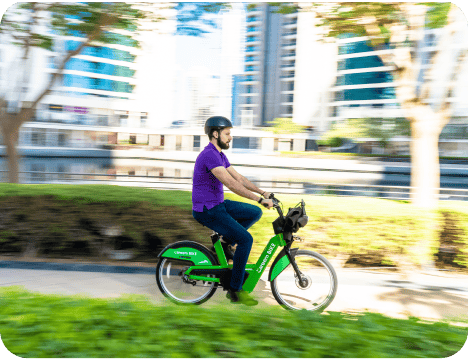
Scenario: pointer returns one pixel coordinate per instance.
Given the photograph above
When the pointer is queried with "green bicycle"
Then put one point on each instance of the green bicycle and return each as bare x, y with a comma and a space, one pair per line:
189, 273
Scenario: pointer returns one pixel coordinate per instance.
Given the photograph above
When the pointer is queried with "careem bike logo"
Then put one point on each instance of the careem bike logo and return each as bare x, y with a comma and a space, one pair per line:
186, 253
265, 260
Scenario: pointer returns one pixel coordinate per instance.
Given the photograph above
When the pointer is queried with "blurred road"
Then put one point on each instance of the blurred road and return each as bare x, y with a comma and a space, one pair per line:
435, 296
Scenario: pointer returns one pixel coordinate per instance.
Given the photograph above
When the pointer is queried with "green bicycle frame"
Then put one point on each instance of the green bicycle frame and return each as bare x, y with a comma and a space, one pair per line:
255, 270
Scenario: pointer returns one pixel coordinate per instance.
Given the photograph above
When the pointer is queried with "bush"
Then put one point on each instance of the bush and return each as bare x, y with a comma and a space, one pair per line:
331, 142
372, 231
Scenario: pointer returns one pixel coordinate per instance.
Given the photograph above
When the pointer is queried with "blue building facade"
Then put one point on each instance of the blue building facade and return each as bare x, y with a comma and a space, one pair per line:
116, 88
236, 100
359, 77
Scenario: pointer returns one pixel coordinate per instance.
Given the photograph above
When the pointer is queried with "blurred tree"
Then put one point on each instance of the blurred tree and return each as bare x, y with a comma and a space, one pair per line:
397, 29
23, 24
359, 128
285, 125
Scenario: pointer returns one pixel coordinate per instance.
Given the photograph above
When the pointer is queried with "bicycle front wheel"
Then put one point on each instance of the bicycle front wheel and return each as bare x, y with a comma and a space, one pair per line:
318, 288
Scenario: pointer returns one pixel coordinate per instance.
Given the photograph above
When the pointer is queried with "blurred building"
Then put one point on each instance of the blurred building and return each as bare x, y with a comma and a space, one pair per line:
236, 100
315, 67
365, 86
268, 83
232, 56
203, 93
288, 72
108, 93
156, 68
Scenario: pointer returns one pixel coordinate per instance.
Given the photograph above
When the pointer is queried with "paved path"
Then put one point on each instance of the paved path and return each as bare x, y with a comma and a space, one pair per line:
434, 296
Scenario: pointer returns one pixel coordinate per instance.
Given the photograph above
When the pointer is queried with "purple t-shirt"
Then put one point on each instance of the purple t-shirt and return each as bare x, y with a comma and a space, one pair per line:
207, 190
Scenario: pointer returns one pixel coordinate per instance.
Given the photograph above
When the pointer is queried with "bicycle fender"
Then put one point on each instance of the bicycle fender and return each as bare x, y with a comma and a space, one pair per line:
189, 251
280, 263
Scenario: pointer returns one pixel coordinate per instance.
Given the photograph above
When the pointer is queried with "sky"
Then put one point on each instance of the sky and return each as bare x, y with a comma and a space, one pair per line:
200, 51
192, 52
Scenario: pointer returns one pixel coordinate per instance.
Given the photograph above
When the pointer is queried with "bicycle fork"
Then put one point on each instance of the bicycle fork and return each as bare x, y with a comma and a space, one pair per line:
287, 249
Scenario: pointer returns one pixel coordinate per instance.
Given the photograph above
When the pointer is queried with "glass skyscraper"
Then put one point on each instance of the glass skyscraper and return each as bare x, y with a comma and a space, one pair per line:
357, 72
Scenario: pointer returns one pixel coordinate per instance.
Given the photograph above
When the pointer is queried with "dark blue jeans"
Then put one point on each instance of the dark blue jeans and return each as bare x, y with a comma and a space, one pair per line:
231, 219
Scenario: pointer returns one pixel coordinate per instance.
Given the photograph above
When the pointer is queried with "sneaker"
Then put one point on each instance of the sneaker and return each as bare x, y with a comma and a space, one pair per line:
241, 297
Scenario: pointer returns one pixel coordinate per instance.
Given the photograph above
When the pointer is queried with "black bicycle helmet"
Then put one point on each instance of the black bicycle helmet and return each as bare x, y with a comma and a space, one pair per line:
217, 122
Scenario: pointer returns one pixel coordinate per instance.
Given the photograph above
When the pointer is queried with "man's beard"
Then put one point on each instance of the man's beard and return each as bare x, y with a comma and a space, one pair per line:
222, 145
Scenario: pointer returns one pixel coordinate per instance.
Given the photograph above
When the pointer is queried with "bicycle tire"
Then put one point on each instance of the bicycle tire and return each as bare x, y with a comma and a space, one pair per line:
319, 274
172, 285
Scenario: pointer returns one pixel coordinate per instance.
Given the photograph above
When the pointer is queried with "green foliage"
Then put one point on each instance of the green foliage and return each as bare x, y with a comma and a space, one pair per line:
331, 142
93, 18
101, 18
35, 325
437, 14
285, 8
284, 125
359, 128
7, 235
346, 18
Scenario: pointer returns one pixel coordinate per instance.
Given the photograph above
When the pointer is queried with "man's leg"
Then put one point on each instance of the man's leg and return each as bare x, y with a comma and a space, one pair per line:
245, 213
219, 220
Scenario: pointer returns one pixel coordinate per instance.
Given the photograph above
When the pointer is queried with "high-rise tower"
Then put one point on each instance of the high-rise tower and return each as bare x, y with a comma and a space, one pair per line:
270, 51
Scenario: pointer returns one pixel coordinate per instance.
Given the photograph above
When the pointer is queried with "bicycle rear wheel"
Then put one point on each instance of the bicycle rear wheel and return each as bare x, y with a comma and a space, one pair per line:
319, 285
173, 285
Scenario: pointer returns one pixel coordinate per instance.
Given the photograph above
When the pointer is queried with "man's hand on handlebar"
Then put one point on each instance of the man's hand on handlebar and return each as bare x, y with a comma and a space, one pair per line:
266, 195
267, 203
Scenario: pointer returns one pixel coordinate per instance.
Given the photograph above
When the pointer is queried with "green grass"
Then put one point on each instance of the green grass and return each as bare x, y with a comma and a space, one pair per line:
383, 230
101, 193
35, 325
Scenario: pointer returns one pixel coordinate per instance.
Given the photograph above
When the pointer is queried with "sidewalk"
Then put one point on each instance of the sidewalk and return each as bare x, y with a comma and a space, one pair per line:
434, 296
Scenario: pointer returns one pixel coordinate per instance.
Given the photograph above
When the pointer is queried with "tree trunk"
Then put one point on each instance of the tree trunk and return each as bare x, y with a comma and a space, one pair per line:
10, 130
425, 170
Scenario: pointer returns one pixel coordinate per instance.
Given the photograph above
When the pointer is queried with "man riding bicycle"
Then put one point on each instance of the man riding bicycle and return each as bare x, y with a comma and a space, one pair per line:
231, 219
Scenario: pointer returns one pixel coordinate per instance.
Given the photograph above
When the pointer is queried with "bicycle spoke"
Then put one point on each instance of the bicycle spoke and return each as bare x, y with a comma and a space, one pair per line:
318, 286
176, 287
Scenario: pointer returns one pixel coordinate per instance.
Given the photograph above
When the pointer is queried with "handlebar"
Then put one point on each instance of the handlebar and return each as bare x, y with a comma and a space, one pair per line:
276, 205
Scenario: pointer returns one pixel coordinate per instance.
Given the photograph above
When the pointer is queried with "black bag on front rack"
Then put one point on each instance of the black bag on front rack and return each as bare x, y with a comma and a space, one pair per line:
278, 225
295, 219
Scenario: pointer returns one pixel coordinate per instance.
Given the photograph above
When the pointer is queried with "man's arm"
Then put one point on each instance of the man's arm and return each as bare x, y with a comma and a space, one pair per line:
244, 181
233, 184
